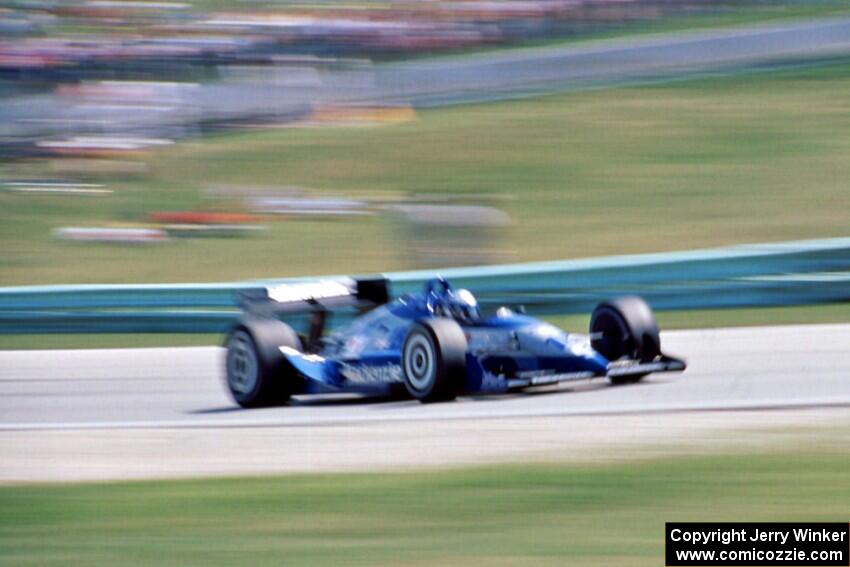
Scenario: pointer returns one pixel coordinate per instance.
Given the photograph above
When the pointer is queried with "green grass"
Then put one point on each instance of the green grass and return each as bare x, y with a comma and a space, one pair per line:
715, 318
500, 515
711, 162
119, 340
667, 320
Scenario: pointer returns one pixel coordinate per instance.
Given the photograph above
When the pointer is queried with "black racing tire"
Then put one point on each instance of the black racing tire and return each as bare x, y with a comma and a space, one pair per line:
256, 372
625, 328
433, 360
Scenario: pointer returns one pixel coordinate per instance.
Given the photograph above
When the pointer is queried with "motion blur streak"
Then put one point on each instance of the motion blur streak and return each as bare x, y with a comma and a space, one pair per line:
126, 115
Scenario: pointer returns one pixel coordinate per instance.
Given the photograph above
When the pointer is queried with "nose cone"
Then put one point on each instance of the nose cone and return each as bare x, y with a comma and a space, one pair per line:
579, 347
596, 363
573, 350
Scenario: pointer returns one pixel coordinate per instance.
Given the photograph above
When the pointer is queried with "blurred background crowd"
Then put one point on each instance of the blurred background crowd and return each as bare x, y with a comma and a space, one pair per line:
119, 75
137, 122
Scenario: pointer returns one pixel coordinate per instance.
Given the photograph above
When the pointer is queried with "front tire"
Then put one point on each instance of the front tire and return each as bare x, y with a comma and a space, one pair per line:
434, 360
625, 328
256, 371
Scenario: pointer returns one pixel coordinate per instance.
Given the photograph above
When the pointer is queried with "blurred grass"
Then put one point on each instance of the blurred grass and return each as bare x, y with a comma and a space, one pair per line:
118, 340
717, 318
667, 320
750, 158
530, 514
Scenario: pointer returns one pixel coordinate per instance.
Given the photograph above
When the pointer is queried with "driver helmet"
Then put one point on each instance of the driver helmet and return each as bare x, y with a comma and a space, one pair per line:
460, 305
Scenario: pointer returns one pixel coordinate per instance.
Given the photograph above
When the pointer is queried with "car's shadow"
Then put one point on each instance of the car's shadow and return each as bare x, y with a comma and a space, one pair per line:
539, 391
325, 400
213, 411
392, 402
341, 400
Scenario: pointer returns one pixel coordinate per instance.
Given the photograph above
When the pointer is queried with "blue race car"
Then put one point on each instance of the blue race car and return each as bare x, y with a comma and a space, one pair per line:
431, 345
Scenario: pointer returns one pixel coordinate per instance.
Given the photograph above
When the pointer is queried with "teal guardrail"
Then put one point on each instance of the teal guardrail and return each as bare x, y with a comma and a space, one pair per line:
788, 273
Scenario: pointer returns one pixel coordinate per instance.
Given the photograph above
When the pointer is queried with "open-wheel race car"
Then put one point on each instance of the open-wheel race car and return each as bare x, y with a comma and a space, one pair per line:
432, 345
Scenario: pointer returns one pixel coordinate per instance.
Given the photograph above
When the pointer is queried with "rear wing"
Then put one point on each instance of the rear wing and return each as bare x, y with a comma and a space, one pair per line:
320, 295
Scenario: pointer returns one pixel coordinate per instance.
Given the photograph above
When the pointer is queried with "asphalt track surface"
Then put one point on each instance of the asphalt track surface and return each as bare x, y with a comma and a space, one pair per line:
142, 413
183, 387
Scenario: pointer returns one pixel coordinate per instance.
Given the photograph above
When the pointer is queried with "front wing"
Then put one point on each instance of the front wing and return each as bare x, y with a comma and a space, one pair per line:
615, 369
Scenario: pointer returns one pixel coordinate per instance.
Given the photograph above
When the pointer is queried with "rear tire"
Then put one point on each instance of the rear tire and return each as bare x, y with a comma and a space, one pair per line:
433, 360
625, 328
256, 371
